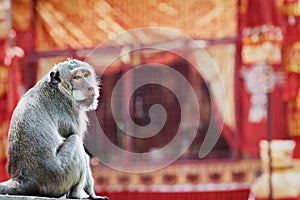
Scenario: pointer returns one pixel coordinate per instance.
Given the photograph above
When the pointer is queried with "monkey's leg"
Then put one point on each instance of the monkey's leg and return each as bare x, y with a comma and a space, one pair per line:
13, 187
89, 185
65, 171
77, 192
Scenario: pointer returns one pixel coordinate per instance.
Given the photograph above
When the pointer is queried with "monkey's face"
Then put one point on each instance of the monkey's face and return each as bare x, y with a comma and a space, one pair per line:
77, 80
84, 88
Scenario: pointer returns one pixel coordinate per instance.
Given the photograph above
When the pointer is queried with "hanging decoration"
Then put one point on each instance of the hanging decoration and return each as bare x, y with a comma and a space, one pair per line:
259, 80
291, 64
261, 49
262, 35
262, 44
290, 7
262, 39
4, 18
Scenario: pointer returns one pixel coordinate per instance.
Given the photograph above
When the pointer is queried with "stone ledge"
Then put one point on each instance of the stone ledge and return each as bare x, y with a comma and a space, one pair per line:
15, 197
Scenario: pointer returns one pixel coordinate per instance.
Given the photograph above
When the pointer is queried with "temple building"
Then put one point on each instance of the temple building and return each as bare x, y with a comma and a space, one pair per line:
192, 92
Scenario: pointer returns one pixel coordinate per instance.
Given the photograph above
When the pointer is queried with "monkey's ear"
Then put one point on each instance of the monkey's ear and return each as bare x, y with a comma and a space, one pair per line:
54, 77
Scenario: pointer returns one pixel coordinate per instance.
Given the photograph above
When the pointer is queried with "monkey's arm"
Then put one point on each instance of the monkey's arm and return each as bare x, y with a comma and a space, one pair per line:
70, 157
84, 188
68, 153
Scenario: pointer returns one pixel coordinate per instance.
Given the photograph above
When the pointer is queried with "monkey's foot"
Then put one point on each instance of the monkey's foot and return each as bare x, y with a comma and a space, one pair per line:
100, 198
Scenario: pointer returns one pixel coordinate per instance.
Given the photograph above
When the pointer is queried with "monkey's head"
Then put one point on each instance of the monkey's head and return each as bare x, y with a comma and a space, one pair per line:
78, 81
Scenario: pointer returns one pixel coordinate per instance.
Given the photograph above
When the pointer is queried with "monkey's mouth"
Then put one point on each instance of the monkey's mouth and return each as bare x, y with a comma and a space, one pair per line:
90, 100
87, 102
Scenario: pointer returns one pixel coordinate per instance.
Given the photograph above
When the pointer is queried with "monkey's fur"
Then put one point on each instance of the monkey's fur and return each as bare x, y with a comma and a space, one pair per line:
45, 141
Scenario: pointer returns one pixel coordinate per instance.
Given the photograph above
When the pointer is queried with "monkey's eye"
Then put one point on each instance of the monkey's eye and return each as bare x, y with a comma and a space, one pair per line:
86, 75
76, 77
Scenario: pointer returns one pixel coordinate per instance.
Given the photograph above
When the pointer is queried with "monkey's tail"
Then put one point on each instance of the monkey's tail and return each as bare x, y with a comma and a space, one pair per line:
13, 187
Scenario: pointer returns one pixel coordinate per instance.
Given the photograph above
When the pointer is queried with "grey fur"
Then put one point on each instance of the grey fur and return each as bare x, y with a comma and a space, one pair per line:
45, 142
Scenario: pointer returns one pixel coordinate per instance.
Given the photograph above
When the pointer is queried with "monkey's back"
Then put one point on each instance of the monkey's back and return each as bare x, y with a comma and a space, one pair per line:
34, 133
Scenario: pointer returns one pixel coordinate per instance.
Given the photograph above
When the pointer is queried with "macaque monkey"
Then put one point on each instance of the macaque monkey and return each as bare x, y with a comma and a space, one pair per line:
46, 156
